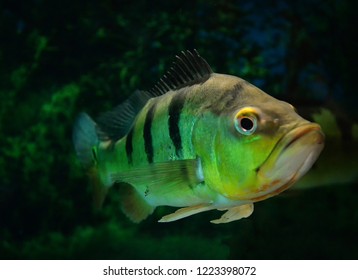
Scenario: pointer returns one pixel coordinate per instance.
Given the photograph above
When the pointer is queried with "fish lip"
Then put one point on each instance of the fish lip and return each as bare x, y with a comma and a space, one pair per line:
291, 137
276, 185
298, 132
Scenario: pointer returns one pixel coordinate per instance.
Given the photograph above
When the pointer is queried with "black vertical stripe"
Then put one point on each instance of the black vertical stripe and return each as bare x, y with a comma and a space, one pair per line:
129, 145
147, 133
175, 107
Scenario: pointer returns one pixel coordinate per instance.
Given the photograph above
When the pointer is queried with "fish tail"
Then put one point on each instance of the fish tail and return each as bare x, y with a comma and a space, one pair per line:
85, 140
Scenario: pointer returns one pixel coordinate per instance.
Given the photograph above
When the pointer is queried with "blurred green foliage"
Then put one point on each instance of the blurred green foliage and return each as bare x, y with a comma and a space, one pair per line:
60, 57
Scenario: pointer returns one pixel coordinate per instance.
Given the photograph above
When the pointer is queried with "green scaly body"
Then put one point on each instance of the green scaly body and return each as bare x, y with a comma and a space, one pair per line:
184, 144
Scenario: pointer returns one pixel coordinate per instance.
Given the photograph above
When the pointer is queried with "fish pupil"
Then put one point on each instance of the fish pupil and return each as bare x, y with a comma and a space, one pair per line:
247, 124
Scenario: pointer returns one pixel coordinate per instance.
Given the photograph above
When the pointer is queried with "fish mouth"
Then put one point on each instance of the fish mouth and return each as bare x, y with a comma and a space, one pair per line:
290, 159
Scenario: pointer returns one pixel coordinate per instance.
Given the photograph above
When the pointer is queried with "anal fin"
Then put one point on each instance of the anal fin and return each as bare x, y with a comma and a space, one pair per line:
235, 213
99, 190
133, 205
185, 212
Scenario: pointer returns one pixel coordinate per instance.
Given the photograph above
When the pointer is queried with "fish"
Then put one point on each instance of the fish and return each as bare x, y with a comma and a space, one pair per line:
197, 141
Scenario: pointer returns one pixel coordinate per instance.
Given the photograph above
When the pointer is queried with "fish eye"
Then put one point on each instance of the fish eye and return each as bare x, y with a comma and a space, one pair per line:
246, 122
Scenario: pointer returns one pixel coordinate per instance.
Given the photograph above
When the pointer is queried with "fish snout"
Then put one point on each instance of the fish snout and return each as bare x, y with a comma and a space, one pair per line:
292, 157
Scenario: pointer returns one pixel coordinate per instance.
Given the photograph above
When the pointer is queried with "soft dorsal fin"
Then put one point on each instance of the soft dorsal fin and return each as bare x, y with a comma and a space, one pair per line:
188, 69
116, 123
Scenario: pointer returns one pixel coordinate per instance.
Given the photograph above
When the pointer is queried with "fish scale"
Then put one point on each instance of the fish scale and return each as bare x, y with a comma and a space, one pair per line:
197, 140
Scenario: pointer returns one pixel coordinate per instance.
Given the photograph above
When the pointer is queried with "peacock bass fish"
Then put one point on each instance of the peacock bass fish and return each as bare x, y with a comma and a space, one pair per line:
199, 141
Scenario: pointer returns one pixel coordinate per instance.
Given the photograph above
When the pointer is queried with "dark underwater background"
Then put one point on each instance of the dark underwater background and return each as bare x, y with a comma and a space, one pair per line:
58, 58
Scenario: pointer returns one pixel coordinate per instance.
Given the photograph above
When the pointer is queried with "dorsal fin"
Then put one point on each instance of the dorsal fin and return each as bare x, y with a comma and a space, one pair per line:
188, 69
115, 124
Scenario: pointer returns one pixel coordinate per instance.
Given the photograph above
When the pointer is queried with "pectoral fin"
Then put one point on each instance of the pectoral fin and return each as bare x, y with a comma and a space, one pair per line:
235, 213
174, 175
185, 212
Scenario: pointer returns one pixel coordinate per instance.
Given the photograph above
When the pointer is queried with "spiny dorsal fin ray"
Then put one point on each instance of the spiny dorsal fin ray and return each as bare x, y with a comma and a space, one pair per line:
188, 69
